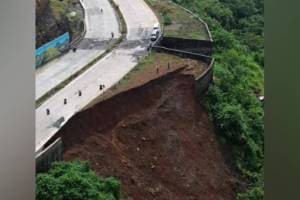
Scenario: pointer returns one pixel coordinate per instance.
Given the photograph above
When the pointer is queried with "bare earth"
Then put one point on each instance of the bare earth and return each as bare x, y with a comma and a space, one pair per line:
157, 139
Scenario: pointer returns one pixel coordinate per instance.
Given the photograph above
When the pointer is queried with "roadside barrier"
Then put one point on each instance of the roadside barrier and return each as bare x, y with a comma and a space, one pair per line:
52, 153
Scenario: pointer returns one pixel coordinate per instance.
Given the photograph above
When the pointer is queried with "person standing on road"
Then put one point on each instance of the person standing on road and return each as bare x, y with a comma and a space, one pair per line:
101, 10
112, 34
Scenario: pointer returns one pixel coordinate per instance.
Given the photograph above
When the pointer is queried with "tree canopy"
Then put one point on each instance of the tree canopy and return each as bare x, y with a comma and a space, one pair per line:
75, 181
237, 30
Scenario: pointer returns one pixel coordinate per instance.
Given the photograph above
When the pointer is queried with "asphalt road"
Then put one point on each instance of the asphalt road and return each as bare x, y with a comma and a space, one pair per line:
99, 27
108, 71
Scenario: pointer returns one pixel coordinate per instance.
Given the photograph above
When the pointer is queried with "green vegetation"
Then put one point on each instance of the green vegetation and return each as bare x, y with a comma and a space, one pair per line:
167, 20
177, 22
51, 53
65, 10
75, 181
237, 29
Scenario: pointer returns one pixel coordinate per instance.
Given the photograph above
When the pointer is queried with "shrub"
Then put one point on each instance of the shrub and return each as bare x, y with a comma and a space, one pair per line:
167, 20
51, 53
75, 181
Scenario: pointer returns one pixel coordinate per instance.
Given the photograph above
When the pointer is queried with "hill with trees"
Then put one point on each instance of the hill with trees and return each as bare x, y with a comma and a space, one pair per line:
237, 29
55, 17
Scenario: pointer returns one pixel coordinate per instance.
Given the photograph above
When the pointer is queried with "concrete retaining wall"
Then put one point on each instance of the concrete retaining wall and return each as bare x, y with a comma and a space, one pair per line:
191, 45
184, 54
53, 153
204, 80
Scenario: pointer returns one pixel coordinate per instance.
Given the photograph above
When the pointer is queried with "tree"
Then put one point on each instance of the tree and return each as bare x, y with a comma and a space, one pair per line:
75, 181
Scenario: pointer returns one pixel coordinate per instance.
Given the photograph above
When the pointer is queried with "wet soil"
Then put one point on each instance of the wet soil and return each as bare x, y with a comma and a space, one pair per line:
157, 139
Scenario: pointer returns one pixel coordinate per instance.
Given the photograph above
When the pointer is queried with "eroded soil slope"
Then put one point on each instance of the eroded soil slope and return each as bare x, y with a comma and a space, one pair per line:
157, 139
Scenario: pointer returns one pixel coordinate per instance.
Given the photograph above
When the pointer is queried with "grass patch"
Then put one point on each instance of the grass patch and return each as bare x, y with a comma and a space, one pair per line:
177, 22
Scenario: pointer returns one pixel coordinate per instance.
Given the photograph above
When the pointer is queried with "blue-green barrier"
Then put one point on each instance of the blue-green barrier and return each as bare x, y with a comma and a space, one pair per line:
59, 44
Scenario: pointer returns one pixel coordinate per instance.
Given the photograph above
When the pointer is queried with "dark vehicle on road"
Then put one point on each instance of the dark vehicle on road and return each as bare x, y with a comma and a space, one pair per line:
154, 35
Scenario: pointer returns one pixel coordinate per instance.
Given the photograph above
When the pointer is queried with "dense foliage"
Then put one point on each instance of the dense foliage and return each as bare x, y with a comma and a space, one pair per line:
75, 181
65, 10
237, 29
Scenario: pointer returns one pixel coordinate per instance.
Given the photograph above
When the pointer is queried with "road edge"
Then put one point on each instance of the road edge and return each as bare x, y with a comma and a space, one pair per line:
123, 31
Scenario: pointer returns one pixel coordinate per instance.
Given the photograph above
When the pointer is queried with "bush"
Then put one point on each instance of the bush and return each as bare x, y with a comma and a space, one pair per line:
51, 53
167, 20
75, 181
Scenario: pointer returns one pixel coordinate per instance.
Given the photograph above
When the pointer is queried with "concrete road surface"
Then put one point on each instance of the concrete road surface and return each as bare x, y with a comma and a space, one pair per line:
108, 71
99, 27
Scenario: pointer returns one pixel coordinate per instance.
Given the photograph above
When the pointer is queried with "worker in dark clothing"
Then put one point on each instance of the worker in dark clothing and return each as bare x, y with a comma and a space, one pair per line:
74, 49
101, 10
112, 34
48, 111
157, 69
79, 93
65, 101
149, 46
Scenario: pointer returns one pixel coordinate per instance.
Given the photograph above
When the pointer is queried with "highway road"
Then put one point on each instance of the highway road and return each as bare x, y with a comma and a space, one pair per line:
108, 71
99, 27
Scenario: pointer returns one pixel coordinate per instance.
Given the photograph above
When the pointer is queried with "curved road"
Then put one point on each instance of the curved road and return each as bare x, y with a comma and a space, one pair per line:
108, 71
99, 27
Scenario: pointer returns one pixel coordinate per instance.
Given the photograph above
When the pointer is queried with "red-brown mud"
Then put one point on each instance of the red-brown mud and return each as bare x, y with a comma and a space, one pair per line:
157, 139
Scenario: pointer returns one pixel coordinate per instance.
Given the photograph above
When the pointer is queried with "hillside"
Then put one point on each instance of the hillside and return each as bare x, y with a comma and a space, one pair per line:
154, 134
237, 29
55, 17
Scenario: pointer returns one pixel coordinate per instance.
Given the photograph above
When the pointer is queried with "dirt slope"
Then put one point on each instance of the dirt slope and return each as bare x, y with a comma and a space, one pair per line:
157, 139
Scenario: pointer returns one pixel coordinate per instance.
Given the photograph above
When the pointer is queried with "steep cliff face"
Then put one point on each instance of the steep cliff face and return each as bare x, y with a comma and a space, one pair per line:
55, 17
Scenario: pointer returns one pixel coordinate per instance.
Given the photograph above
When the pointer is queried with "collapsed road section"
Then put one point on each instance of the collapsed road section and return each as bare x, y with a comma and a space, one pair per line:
106, 72
156, 138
